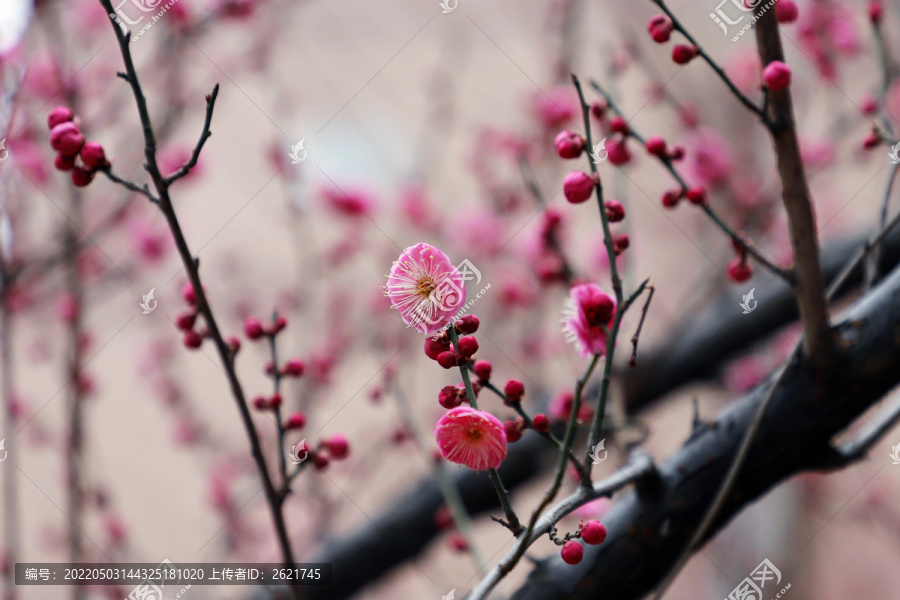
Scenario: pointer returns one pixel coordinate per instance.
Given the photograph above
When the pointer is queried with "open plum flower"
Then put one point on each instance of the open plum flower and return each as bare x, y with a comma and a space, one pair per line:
425, 288
587, 315
471, 437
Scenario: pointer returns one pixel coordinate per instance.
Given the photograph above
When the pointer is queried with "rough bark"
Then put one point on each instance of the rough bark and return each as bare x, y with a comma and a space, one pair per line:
648, 531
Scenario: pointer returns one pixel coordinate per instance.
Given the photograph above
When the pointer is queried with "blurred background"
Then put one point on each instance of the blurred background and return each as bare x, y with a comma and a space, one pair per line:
418, 124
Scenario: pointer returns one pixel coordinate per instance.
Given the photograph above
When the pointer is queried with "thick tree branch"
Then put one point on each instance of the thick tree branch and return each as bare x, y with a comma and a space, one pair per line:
701, 343
795, 436
818, 341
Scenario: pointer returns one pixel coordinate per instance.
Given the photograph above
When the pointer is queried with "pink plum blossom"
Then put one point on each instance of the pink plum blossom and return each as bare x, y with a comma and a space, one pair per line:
471, 437
426, 288
587, 317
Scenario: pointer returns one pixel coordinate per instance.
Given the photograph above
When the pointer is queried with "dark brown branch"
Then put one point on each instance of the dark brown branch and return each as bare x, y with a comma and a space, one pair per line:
795, 436
204, 135
818, 341
191, 265
705, 340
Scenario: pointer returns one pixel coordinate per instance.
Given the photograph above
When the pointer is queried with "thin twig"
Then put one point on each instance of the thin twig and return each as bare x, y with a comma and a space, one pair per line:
667, 162
517, 406
751, 106
204, 135
191, 265
637, 333
512, 521
640, 466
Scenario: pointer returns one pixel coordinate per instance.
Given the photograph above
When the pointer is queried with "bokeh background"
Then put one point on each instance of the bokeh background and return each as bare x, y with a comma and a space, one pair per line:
416, 123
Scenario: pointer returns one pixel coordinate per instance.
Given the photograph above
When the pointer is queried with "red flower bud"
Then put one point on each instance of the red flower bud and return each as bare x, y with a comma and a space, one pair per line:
468, 346
185, 321
482, 370
615, 211
66, 138
593, 532
93, 156
449, 397
60, 114
572, 552
447, 360
655, 145
294, 368
296, 420
682, 54
569, 144
514, 390
467, 325
81, 177
578, 187
738, 270
696, 195
541, 423
253, 328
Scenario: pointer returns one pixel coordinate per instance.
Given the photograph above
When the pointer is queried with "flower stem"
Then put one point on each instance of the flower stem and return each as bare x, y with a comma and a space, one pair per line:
607, 233
512, 521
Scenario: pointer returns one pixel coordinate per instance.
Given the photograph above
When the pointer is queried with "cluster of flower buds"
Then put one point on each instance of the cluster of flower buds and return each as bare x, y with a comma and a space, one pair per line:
439, 348
255, 330
187, 323
695, 195
592, 532
70, 145
334, 448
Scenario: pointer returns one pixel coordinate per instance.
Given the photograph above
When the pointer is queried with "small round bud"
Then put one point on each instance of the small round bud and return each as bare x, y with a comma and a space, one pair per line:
578, 187
572, 552
482, 369
467, 325
253, 328
621, 243
294, 368
569, 144
619, 125
93, 156
541, 423
434, 347
192, 339
449, 397
338, 446
786, 11
876, 11
615, 211
777, 75
64, 163
66, 139
468, 346
60, 114
185, 321
671, 198
513, 431
187, 292
660, 28
81, 177
655, 145
682, 54
447, 360
593, 532
738, 270
696, 195
617, 152
514, 390
296, 420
